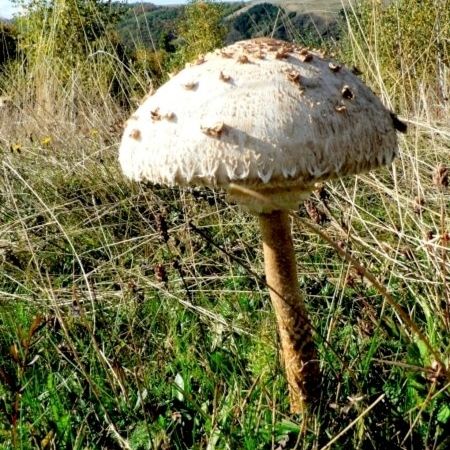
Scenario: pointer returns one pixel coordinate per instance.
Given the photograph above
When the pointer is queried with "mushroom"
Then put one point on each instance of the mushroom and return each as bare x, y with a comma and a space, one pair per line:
263, 134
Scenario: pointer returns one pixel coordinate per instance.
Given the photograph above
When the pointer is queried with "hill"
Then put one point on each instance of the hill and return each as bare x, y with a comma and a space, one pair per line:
318, 7
271, 19
154, 26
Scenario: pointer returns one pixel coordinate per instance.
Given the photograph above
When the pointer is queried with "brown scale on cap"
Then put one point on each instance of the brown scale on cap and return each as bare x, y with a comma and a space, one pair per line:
257, 52
224, 77
294, 77
347, 93
282, 53
319, 53
155, 114
169, 116
227, 55
191, 85
200, 60
249, 48
253, 48
268, 44
334, 67
135, 134
243, 59
268, 41
214, 131
306, 58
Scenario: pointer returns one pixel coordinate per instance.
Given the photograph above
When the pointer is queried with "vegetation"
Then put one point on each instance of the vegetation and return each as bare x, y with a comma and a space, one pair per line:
149, 28
157, 28
136, 317
416, 30
8, 44
200, 31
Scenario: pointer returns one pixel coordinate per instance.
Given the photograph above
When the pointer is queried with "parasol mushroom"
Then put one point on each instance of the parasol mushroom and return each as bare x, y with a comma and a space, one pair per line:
274, 118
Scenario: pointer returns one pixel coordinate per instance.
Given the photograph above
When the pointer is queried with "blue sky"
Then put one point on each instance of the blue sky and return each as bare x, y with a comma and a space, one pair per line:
7, 9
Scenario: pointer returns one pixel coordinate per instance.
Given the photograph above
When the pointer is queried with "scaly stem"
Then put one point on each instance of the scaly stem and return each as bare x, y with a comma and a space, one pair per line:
299, 352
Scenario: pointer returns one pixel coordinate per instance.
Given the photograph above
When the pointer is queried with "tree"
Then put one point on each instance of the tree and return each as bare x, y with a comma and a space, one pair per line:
69, 46
201, 30
65, 29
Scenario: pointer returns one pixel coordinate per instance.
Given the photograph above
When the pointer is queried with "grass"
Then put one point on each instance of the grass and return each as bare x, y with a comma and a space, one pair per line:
136, 316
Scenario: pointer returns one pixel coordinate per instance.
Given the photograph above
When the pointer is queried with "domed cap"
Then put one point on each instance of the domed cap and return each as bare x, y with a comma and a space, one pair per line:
263, 113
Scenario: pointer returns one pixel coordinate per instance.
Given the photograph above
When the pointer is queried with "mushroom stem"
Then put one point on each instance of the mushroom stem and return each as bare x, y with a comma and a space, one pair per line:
298, 350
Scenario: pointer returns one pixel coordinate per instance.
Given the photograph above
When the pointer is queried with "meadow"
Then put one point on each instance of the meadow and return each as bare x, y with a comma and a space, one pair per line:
134, 316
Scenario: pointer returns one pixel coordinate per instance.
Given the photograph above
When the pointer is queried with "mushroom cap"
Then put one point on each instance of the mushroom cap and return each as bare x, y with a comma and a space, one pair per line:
263, 113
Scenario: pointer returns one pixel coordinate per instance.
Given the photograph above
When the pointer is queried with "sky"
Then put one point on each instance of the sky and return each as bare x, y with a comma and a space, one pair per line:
7, 9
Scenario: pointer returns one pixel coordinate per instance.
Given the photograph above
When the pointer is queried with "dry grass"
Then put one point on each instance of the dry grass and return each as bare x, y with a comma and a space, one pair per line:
133, 316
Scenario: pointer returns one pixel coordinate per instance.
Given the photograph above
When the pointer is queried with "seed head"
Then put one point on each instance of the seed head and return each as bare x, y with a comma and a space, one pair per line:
440, 176
160, 273
161, 227
314, 213
419, 203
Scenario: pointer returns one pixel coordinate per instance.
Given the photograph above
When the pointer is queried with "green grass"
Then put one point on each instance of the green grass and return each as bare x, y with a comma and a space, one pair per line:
80, 247
135, 316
